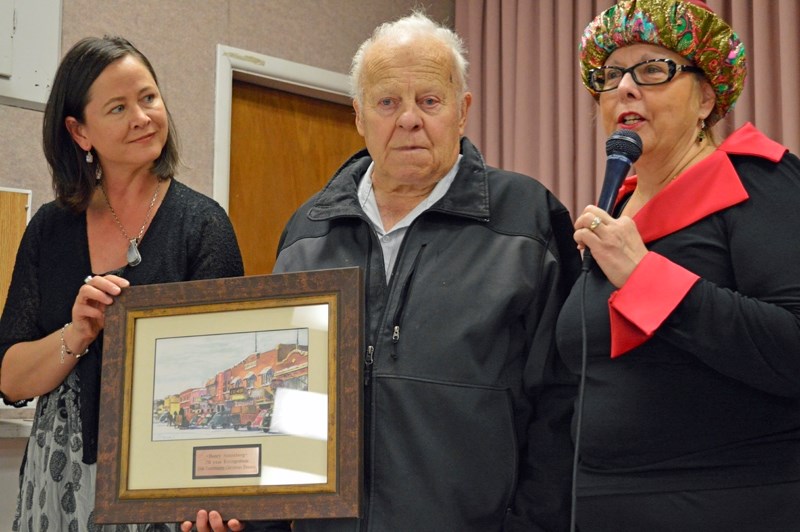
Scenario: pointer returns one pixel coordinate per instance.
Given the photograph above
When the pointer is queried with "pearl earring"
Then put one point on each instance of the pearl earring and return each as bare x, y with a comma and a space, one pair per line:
89, 157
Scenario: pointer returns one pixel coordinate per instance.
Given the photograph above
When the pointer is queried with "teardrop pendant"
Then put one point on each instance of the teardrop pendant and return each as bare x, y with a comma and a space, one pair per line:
134, 257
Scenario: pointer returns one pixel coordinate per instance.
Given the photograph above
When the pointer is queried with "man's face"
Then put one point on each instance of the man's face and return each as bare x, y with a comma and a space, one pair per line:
411, 115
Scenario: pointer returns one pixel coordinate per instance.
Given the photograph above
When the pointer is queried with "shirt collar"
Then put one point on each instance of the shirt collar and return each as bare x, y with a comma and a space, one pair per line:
367, 199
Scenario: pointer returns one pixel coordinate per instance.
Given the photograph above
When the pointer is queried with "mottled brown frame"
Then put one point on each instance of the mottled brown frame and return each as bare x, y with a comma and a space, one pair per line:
338, 497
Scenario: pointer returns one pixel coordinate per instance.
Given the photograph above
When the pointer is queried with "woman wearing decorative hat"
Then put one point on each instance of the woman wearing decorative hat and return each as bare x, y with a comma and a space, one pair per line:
691, 406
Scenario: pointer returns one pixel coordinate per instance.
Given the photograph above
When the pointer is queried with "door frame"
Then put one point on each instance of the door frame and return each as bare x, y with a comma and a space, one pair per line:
26, 192
267, 71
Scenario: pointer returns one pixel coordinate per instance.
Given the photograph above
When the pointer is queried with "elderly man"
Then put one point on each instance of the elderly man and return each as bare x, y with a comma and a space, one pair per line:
467, 404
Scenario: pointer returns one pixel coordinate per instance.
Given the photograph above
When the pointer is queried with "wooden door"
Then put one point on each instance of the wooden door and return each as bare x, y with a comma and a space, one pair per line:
284, 148
13, 219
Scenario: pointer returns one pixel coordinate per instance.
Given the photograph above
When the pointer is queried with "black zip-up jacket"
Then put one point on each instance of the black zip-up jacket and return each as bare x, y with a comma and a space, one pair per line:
467, 404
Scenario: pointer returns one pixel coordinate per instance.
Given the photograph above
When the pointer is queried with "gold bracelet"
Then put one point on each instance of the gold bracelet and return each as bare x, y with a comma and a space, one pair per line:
66, 350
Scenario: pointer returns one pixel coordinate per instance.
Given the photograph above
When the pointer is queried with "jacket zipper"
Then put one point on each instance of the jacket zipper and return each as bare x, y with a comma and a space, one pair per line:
369, 359
401, 303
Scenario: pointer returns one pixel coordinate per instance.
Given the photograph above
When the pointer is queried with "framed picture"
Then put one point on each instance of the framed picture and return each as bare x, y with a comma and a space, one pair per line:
241, 395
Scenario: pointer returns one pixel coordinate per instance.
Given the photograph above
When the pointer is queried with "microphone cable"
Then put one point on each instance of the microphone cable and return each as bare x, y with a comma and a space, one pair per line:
623, 148
579, 407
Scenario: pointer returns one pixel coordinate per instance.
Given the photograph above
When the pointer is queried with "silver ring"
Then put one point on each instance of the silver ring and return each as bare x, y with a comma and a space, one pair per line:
87, 279
595, 222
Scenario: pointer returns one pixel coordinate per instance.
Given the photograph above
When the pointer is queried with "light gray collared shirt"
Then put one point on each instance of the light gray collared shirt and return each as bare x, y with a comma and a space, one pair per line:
390, 241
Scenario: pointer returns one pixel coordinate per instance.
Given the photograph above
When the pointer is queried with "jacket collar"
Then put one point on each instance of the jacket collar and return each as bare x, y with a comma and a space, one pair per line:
689, 198
468, 195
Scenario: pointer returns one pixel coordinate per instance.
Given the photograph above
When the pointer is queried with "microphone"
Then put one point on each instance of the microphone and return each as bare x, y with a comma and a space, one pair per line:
623, 148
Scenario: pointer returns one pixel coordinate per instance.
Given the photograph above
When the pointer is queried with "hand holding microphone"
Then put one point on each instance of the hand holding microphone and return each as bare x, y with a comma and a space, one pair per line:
623, 148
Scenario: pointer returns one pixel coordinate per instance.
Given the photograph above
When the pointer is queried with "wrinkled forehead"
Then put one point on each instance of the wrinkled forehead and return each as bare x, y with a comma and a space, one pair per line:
422, 59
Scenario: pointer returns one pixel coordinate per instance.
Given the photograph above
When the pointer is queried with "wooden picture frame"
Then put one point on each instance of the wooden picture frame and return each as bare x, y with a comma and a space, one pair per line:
174, 360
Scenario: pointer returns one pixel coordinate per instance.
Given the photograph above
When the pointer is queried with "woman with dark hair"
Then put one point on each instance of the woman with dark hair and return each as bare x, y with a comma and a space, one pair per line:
119, 218
691, 417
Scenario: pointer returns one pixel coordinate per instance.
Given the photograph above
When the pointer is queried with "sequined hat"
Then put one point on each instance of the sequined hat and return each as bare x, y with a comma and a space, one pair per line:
687, 27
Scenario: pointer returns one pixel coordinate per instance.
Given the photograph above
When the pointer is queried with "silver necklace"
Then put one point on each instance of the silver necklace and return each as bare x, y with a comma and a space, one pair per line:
133, 256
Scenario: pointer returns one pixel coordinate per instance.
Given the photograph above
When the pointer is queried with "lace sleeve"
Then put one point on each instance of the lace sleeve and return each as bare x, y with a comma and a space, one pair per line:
18, 322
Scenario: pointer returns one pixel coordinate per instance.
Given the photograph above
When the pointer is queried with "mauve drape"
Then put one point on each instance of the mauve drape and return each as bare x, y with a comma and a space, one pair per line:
531, 114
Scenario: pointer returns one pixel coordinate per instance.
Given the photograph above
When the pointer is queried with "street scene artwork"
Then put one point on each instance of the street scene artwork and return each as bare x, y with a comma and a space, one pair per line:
224, 385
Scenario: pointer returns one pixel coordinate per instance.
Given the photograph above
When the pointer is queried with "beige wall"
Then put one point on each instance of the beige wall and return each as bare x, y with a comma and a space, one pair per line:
180, 37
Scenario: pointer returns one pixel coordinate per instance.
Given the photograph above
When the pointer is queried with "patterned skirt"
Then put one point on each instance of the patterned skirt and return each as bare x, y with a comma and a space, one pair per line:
56, 488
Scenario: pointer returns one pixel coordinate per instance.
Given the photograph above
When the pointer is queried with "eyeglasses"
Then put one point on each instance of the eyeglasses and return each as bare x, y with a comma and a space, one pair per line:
652, 72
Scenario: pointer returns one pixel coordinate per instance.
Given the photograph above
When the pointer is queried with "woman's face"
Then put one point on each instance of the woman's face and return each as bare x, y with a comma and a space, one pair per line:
665, 116
125, 120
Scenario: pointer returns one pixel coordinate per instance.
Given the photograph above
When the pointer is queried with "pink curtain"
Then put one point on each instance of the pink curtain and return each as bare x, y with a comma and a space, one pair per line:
530, 113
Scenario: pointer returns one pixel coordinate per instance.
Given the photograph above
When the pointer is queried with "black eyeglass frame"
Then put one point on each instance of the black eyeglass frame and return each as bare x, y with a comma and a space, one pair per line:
674, 68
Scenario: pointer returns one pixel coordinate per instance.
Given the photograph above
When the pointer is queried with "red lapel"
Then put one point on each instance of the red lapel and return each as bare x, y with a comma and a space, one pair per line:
707, 187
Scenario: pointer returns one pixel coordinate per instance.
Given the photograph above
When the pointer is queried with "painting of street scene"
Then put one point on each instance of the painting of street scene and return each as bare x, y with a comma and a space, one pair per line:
223, 385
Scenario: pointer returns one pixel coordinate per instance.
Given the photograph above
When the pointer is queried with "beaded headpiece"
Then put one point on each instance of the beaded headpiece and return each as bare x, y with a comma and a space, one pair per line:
687, 27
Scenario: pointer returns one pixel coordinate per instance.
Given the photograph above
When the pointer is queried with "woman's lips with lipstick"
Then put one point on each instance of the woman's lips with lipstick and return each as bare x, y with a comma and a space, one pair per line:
144, 138
629, 119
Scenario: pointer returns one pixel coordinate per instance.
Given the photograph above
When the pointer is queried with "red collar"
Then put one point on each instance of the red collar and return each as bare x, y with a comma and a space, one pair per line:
707, 187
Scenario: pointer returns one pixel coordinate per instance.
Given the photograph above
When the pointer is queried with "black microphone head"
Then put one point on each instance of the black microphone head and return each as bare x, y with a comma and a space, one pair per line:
625, 143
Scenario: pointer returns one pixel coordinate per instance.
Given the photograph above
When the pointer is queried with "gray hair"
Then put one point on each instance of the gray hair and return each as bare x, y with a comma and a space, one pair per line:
415, 25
